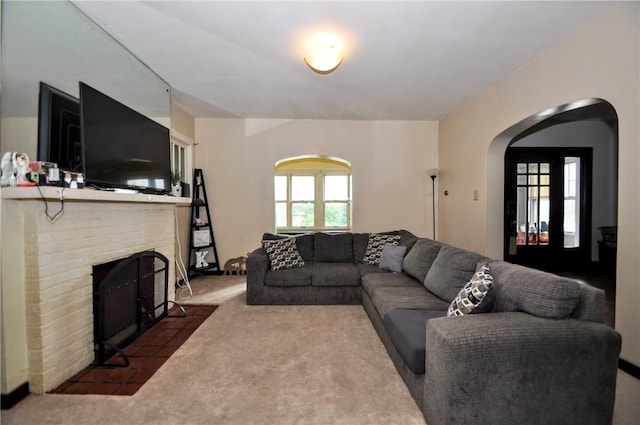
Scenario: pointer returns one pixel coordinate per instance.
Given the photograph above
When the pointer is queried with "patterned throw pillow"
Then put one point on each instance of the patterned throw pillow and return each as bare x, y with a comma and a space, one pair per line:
283, 253
474, 296
376, 244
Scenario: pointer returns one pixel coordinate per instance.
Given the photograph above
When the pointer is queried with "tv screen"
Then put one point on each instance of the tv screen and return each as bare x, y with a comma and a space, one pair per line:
59, 129
122, 148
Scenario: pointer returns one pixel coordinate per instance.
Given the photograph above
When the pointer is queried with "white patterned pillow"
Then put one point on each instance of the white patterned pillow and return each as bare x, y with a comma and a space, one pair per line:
283, 253
474, 297
375, 245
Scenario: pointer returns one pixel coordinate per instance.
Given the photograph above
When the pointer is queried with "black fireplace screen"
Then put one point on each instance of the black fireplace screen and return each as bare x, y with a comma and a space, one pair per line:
129, 296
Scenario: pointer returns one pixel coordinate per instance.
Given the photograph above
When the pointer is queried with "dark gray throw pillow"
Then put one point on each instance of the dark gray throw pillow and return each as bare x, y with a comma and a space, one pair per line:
391, 258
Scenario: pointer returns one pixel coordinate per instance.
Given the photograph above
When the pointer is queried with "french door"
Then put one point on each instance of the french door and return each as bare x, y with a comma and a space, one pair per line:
548, 207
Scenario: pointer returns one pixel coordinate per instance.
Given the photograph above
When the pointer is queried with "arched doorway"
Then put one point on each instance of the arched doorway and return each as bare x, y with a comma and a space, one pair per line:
534, 217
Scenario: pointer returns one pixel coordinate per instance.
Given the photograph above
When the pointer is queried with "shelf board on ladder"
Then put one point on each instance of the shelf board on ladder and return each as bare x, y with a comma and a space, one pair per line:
203, 255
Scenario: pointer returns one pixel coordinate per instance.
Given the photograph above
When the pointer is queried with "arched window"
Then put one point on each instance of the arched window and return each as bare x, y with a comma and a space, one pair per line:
313, 193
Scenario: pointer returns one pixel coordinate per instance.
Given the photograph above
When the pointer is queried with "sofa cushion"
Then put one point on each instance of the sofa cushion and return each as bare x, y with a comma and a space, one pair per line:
360, 241
365, 269
283, 253
386, 280
419, 259
407, 331
335, 274
304, 243
451, 270
533, 291
336, 248
389, 298
375, 246
391, 258
299, 276
476, 296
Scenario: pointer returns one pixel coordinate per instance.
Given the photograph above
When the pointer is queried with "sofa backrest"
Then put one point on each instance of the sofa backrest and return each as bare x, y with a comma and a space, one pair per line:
336, 247
451, 270
420, 257
543, 294
333, 248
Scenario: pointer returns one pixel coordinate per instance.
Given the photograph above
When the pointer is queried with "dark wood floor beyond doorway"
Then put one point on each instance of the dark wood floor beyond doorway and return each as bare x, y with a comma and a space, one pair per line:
603, 279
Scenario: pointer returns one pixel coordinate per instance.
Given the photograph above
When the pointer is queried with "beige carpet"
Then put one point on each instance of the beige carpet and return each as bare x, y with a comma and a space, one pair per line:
254, 365
266, 365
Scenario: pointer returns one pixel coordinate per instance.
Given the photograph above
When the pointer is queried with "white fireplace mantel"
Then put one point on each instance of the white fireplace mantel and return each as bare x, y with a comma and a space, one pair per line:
90, 195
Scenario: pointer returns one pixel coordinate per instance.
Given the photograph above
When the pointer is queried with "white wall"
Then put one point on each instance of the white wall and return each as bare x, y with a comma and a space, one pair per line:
601, 60
390, 187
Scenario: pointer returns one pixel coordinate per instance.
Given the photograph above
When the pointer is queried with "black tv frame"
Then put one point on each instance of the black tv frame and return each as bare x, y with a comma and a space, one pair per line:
100, 182
57, 112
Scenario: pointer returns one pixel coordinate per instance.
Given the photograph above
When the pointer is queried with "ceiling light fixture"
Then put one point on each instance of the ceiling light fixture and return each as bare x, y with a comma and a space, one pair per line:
324, 52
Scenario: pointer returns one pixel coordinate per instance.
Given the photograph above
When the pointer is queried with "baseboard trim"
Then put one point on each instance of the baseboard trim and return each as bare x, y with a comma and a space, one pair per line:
15, 396
629, 367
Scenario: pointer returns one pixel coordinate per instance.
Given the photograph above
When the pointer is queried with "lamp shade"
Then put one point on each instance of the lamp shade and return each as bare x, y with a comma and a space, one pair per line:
324, 53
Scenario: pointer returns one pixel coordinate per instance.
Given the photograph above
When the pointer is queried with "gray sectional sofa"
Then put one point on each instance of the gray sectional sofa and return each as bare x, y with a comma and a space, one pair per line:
538, 354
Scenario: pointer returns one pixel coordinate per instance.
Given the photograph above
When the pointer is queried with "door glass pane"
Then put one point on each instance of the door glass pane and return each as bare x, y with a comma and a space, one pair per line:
544, 168
280, 184
521, 213
532, 237
302, 214
281, 214
335, 214
522, 180
336, 188
571, 221
533, 180
533, 168
303, 188
545, 210
522, 168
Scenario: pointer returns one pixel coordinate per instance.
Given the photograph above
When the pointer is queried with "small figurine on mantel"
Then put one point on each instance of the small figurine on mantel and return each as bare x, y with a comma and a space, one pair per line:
15, 170
235, 266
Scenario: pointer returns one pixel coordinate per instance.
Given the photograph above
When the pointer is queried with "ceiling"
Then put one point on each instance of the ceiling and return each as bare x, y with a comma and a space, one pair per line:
412, 60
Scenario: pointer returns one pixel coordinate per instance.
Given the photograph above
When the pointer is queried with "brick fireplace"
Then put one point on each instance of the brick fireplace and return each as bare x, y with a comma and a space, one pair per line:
57, 268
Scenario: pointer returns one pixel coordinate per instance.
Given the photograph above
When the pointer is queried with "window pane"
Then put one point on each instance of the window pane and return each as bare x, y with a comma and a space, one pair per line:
303, 188
336, 188
533, 180
544, 180
522, 180
280, 184
545, 211
571, 219
521, 216
281, 214
302, 214
522, 168
533, 168
544, 167
335, 214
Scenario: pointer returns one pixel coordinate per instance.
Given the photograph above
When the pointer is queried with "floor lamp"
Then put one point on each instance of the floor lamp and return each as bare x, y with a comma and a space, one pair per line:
433, 173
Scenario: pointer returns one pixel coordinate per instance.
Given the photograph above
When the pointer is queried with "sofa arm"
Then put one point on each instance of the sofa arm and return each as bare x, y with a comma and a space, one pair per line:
257, 266
515, 368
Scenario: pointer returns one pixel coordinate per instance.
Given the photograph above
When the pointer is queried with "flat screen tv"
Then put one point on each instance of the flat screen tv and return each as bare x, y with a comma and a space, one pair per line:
59, 129
122, 148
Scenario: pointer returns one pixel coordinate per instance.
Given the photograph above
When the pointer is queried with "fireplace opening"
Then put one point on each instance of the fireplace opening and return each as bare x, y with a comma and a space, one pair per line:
130, 295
